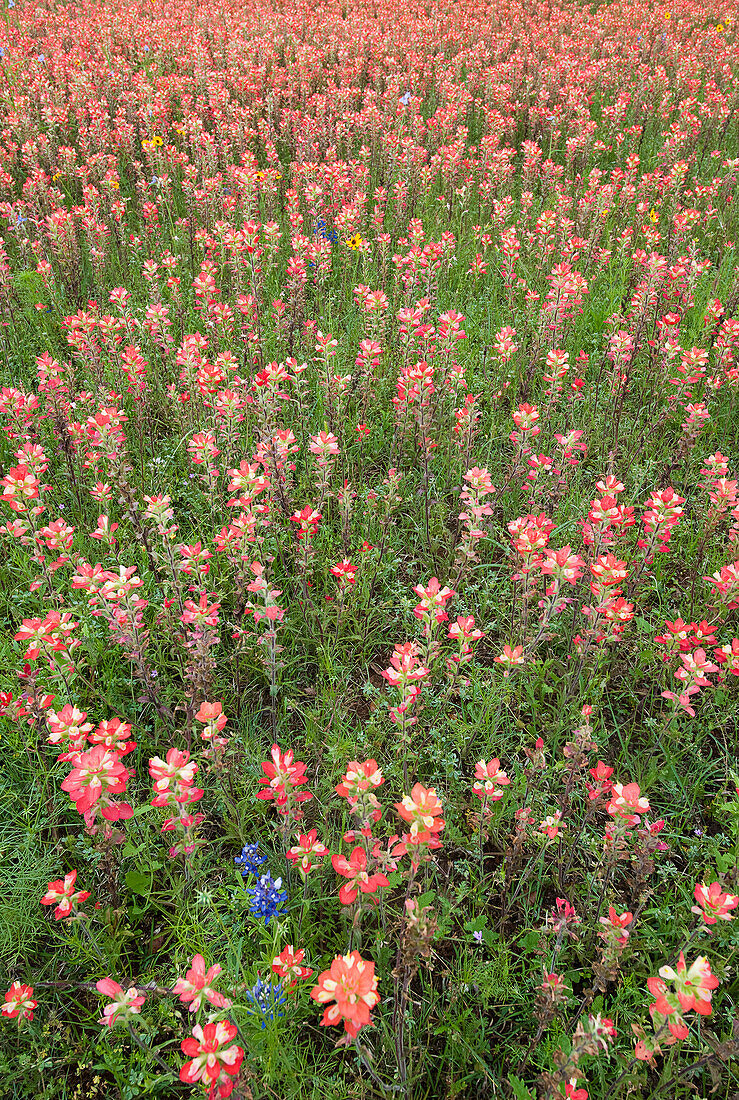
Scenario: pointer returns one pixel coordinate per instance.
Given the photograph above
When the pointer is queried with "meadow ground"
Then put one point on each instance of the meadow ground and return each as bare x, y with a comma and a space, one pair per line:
370, 440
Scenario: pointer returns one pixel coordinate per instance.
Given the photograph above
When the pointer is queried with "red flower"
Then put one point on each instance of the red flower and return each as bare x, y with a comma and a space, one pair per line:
98, 774
62, 894
287, 965
344, 573
282, 776
355, 869
19, 999
308, 845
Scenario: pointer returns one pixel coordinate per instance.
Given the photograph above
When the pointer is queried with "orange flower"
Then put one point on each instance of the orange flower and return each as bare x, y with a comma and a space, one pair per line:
352, 984
422, 808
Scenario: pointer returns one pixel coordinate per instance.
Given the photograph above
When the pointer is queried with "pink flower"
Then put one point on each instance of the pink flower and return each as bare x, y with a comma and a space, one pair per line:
212, 1063
552, 825
197, 984
627, 803
124, 1004
713, 903
433, 600
693, 987
490, 777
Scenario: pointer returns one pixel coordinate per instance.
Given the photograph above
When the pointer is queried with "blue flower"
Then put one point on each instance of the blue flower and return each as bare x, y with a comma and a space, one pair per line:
266, 898
405, 99
266, 1000
320, 224
332, 235
40, 57
250, 859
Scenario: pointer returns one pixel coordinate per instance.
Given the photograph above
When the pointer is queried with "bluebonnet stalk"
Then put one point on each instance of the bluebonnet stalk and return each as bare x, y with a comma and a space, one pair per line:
250, 859
265, 1000
266, 898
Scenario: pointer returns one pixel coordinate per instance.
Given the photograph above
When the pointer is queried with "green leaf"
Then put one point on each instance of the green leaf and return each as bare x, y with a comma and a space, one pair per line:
145, 809
138, 883
520, 1091
530, 942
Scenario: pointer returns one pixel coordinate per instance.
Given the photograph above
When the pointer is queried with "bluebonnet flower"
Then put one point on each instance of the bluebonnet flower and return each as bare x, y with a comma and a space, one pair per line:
266, 898
405, 99
320, 224
250, 859
41, 57
266, 1000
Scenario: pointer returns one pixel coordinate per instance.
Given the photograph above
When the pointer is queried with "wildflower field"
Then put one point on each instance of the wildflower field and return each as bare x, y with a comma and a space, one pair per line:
369, 451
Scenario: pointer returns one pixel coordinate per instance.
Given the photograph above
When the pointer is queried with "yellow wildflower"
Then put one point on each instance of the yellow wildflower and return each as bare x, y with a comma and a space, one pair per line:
354, 242
56, 176
653, 216
157, 141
